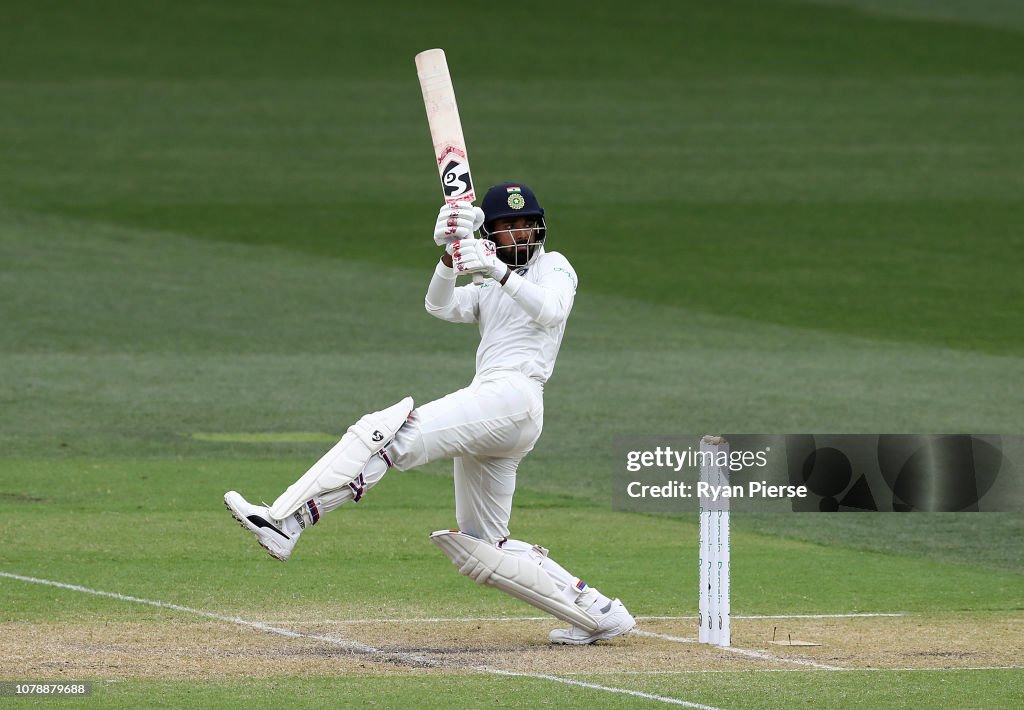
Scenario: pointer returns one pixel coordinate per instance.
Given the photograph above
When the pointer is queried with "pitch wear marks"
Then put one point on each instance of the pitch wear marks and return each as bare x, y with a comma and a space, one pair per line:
410, 659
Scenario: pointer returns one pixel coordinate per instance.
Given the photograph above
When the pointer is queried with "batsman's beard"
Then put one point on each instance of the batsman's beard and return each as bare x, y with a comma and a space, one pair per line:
519, 253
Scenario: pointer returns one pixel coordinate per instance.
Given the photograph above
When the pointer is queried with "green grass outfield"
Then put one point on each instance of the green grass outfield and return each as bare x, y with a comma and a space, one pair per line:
785, 216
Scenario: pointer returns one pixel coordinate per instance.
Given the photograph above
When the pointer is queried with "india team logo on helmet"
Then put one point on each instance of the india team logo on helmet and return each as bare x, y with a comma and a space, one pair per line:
515, 197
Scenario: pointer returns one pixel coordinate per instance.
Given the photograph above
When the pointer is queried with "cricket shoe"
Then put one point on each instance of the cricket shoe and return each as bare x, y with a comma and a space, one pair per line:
277, 537
612, 621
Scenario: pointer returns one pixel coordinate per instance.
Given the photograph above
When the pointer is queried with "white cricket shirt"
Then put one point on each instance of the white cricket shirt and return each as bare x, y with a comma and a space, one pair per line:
521, 323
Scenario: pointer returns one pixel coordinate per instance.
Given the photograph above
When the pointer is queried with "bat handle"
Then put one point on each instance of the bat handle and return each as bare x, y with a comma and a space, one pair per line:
478, 279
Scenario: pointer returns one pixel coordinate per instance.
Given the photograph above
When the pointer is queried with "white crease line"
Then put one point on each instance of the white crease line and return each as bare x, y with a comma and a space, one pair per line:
774, 616
939, 668
761, 655
651, 634
570, 681
800, 670
419, 620
353, 646
468, 619
812, 616
779, 659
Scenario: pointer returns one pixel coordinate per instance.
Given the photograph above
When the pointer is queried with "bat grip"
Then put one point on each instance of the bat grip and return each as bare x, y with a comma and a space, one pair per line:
478, 279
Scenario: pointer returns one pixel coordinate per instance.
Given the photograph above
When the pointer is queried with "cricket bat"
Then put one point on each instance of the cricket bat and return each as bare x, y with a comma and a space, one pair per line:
445, 129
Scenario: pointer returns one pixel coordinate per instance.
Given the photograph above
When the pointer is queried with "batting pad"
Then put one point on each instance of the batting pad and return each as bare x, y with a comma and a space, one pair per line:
340, 466
485, 563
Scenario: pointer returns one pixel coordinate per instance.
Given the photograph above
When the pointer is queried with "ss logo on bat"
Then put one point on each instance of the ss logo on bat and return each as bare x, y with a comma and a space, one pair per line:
455, 179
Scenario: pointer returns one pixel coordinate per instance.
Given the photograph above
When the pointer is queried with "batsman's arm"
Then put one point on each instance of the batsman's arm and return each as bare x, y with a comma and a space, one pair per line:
445, 301
549, 300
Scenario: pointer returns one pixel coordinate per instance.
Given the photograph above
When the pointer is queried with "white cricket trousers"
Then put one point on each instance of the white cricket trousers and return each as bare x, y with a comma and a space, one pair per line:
486, 428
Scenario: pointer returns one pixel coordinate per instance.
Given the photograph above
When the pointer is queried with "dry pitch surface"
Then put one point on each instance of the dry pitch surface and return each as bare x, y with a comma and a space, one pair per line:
222, 649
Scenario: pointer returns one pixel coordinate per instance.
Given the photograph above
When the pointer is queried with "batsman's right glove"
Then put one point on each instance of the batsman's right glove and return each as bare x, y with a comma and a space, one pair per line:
477, 256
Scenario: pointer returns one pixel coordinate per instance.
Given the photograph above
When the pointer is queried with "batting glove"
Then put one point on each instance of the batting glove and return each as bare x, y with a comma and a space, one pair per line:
477, 256
457, 221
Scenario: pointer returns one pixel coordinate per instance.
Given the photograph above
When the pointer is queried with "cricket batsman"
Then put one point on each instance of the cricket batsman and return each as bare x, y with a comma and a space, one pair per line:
486, 428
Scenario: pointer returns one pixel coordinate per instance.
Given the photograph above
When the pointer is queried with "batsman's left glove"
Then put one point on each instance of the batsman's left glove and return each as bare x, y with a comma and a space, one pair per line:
457, 221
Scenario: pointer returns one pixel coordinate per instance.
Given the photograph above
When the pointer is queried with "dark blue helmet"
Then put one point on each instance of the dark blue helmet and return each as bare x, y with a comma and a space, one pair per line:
510, 199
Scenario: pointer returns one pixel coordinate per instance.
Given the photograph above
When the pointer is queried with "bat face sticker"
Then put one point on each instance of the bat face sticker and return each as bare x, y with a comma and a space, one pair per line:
455, 178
